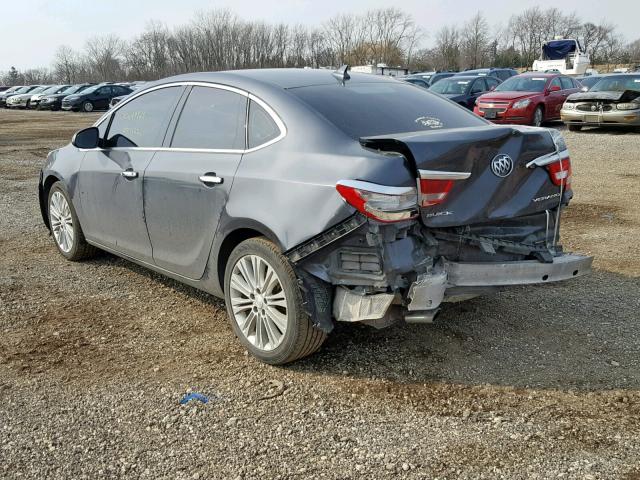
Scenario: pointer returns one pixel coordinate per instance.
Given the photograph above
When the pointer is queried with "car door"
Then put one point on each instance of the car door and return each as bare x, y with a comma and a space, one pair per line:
188, 183
110, 179
555, 99
477, 88
102, 96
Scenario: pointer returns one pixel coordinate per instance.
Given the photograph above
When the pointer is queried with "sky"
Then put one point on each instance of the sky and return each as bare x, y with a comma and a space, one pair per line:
33, 29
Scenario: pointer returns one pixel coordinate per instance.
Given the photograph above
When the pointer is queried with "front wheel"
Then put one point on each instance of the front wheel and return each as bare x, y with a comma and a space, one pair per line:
537, 117
65, 227
87, 107
264, 304
575, 128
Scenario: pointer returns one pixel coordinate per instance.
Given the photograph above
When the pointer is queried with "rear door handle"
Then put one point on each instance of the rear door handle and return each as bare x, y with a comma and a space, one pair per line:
129, 174
210, 179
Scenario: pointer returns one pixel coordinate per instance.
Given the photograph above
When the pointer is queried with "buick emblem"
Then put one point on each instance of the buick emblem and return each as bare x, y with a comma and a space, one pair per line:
502, 165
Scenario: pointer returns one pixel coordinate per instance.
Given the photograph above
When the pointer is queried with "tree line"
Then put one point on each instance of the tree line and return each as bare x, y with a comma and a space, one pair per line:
220, 40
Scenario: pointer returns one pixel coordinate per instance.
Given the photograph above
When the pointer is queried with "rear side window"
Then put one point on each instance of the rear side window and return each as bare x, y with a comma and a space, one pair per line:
367, 109
262, 128
142, 121
212, 118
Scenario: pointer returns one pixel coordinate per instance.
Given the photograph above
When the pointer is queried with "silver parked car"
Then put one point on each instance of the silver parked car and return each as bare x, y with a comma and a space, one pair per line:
306, 197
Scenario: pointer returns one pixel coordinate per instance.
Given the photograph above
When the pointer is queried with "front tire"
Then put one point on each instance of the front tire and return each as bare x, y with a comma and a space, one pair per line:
65, 227
575, 128
265, 305
537, 116
88, 107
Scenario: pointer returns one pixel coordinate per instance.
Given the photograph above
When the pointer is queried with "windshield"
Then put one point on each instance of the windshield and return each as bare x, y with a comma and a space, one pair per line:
590, 81
451, 86
90, 89
39, 89
618, 83
54, 89
74, 89
24, 89
522, 84
368, 109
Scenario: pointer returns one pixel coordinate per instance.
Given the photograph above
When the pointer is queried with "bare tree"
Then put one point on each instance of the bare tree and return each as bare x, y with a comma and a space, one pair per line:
104, 56
475, 42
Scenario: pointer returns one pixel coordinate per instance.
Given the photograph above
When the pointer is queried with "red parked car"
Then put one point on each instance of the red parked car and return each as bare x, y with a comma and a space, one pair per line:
527, 99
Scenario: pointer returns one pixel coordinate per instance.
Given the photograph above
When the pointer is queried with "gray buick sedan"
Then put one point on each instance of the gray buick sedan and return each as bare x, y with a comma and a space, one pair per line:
308, 197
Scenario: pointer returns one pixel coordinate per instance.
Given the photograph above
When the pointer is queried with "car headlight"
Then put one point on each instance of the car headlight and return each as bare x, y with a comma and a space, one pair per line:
521, 104
628, 106
569, 106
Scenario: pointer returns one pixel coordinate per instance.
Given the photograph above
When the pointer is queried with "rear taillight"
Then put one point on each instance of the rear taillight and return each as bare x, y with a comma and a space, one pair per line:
433, 192
435, 185
379, 202
560, 172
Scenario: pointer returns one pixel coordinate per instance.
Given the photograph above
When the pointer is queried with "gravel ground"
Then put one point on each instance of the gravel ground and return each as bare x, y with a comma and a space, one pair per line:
540, 382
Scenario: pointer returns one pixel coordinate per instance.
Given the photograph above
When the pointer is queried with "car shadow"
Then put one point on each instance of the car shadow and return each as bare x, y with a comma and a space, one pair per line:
581, 334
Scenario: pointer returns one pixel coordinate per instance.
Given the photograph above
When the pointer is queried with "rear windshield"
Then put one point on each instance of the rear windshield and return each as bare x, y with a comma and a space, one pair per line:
368, 109
618, 84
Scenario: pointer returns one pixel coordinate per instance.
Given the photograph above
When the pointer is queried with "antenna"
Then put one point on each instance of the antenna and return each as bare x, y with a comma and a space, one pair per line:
342, 73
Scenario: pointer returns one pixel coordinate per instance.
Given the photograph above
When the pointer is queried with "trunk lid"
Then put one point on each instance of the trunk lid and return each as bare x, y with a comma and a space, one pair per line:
484, 196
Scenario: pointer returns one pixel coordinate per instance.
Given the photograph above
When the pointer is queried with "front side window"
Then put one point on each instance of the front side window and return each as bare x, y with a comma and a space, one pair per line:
262, 128
212, 118
142, 121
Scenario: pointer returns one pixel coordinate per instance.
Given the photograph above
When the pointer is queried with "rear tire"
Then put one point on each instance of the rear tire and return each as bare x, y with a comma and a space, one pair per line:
265, 304
538, 115
87, 107
575, 128
65, 226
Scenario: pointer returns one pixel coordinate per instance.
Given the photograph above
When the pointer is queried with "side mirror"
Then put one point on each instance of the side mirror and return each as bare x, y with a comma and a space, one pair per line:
491, 89
554, 88
87, 138
584, 89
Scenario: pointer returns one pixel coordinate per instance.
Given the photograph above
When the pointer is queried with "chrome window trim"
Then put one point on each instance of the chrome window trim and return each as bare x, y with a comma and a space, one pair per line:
274, 116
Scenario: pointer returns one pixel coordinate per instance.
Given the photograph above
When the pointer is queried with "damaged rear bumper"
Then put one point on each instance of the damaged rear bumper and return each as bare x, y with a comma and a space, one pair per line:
451, 281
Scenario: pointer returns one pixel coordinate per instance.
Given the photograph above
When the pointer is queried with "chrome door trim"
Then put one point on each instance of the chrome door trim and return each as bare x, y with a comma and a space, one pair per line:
442, 175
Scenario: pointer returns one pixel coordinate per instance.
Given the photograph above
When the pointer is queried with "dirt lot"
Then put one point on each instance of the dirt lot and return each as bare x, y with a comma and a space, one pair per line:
537, 382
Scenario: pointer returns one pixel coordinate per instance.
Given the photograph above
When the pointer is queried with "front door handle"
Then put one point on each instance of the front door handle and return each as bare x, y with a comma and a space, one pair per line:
210, 179
129, 174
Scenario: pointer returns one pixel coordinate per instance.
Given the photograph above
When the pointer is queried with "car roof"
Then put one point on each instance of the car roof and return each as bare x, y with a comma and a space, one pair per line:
540, 74
278, 77
468, 77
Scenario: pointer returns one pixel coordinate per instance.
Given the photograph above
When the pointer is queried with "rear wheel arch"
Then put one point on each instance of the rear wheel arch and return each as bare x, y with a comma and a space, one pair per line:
234, 238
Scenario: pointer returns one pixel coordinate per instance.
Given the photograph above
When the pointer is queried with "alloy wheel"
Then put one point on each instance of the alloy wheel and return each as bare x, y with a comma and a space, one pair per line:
61, 222
258, 302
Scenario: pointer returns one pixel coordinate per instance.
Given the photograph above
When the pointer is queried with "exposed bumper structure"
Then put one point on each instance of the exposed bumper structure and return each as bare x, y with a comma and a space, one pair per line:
517, 273
429, 290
